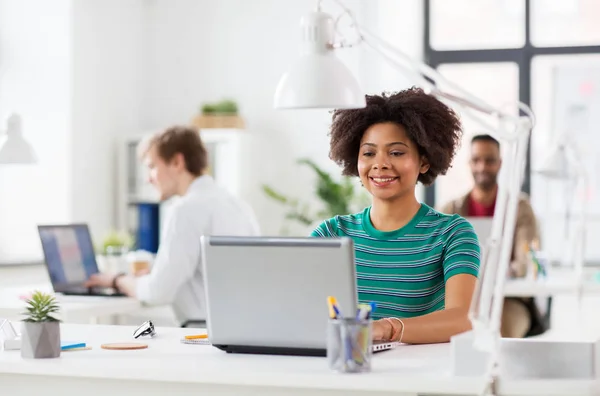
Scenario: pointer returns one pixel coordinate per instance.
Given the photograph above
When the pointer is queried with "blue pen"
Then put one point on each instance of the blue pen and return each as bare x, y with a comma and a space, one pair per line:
373, 306
338, 314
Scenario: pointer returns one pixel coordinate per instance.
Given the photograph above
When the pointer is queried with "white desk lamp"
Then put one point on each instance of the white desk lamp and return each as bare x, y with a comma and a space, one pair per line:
16, 150
564, 162
319, 80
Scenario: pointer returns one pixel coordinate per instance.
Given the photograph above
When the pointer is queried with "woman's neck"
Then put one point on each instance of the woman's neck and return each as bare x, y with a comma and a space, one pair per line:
393, 215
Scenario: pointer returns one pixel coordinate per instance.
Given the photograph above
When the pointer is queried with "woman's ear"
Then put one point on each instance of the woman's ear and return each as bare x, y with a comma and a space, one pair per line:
424, 165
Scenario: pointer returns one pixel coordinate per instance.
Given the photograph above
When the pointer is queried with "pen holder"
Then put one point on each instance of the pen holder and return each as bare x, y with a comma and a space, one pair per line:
349, 345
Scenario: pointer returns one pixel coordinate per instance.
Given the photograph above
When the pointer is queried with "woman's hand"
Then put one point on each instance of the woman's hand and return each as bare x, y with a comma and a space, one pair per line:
382, 330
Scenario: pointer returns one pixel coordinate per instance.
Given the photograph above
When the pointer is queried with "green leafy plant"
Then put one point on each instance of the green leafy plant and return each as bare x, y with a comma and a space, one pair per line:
208, 108
116, 239
337, 197
41, 307
225, 106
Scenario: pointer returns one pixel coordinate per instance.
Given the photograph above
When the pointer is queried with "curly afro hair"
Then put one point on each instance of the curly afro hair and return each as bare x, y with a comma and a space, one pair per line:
434, 127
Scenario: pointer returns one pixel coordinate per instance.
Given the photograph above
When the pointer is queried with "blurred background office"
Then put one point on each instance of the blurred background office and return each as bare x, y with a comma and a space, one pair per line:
89, 78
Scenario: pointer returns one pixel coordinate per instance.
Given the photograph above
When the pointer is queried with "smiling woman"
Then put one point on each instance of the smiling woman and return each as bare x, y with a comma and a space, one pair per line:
419, 265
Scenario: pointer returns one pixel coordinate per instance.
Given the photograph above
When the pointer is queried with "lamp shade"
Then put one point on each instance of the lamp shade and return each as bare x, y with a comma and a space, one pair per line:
15, 149
556, 164
318, 79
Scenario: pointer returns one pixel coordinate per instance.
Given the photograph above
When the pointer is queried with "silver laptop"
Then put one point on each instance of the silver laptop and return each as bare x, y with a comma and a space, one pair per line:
70, 259
269, 295
483, 229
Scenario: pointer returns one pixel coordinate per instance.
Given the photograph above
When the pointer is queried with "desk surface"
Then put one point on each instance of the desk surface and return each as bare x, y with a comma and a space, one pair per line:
72, 307
550, 286
407, 370
559, 281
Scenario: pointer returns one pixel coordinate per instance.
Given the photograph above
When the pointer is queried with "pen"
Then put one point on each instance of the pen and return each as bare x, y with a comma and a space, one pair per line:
336, 310
338, 314
373, 306
363, 311
331, 306
196, 337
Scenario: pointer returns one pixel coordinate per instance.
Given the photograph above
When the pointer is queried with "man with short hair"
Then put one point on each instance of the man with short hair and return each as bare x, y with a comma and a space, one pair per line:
178, 161
519, 316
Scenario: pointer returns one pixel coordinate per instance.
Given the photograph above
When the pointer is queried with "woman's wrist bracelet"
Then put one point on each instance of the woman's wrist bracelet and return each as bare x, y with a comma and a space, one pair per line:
396, 332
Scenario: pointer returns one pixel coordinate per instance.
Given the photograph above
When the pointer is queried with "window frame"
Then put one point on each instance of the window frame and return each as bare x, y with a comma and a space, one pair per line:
522, 56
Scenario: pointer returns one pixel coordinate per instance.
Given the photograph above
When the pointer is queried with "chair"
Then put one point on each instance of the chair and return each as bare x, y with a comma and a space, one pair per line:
539, 323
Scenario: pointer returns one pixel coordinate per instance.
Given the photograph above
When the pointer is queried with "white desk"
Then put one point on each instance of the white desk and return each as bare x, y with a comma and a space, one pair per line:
559, 281
170, 367
553, 285
73, 308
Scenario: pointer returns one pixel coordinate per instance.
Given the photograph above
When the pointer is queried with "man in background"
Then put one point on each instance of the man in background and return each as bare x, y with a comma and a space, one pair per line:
178, 161
520, 317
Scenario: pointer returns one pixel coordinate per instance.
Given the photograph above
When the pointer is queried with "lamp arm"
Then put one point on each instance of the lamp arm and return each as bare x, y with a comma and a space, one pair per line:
486, 308
575, 159
431, 88
514, 130
428, 77
507, 218
582, 234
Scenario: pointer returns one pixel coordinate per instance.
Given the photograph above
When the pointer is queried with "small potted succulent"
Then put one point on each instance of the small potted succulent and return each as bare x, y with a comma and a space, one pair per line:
221, 114
40, 335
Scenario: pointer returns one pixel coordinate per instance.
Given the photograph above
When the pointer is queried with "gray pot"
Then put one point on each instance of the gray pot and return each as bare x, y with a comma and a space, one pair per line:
40, 340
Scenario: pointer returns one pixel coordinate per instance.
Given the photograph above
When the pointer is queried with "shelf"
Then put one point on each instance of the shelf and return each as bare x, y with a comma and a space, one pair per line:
224, 150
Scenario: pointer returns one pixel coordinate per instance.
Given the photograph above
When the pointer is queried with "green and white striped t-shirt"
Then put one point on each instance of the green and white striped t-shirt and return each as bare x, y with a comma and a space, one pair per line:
404, 271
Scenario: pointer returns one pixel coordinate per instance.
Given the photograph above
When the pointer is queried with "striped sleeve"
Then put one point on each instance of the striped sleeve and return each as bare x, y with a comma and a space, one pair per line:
327, 229
462, 253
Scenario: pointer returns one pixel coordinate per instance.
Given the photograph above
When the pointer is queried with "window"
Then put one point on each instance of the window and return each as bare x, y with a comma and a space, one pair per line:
463, 36
495, 83
556, 23
566, 97
477, 24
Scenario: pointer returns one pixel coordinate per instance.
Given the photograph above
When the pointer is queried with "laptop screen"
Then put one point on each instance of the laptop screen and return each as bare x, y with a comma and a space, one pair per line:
482, 227
69, 253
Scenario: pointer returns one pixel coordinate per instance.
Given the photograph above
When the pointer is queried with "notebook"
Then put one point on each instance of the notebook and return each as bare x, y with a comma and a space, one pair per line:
203, 341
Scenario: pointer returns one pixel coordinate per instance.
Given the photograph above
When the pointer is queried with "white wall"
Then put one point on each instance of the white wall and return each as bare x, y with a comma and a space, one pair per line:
75, 72
35, 81
399, 23
83, 73
108, 51
207, 50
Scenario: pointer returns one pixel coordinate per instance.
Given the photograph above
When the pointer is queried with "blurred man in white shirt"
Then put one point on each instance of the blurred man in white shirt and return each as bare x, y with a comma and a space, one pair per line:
178, 161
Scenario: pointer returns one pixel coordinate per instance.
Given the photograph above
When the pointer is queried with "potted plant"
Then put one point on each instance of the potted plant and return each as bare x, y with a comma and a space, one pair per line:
40, 335
112, 251
337, 198
222, 114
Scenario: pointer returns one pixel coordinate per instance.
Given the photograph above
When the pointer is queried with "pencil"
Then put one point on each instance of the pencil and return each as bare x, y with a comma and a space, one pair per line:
196, 337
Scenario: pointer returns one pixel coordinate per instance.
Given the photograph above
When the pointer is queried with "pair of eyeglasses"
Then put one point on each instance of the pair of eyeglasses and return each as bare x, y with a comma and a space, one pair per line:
146, 329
